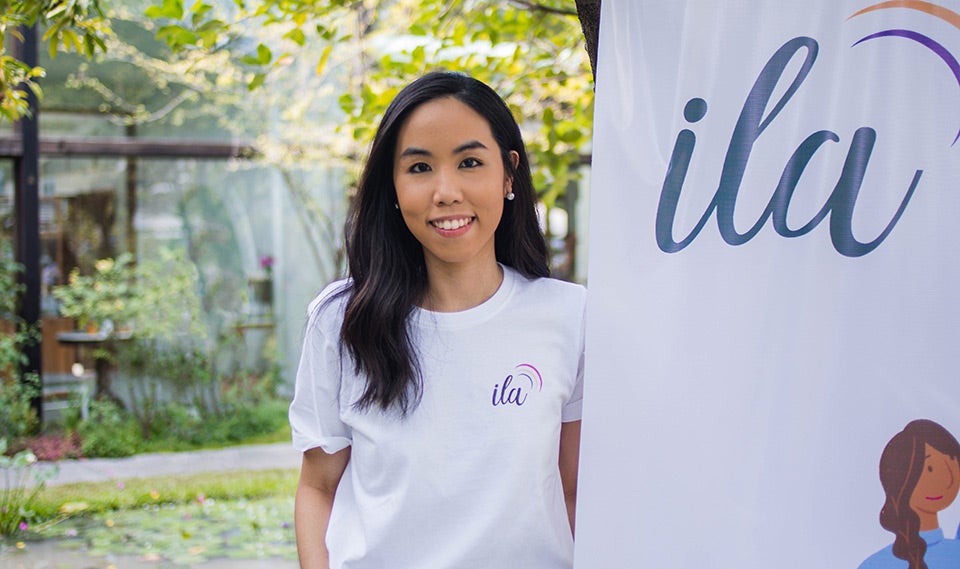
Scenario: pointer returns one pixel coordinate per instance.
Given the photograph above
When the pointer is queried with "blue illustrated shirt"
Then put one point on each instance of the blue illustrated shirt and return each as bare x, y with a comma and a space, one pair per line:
941, 554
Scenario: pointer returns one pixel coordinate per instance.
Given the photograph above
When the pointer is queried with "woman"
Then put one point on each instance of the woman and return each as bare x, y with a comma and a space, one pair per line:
920, 474
437, 400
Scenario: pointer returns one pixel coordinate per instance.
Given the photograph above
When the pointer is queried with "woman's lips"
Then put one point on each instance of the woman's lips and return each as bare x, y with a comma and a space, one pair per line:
452, 226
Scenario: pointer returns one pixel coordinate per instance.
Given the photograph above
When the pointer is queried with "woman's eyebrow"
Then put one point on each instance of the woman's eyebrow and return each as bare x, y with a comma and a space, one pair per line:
414, 151
469, 146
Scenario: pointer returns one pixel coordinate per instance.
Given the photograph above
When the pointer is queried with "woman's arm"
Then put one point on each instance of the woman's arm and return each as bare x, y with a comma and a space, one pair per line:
569, 462
320, 474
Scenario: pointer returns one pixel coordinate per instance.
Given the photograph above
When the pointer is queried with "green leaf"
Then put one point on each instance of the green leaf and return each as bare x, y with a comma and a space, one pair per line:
257, 81
297, 36
172, 9
264, 55
418, 55
348, 103
570, 136
200, 10
549, 119
176, 37
324, 58
71, 36
56, 11
90, 46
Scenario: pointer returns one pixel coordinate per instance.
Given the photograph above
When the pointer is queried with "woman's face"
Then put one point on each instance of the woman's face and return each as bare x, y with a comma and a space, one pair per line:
450, 182
938, 484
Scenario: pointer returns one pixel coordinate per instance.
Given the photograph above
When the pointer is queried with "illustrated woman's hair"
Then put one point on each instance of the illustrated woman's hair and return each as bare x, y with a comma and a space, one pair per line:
900, 467
385, 261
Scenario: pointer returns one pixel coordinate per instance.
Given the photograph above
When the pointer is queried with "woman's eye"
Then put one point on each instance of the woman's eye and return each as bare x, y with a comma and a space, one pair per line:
419, 167
929, 468
470, 163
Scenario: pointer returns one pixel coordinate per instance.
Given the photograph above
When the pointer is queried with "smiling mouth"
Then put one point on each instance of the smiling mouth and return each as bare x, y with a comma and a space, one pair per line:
934, 498
451, 224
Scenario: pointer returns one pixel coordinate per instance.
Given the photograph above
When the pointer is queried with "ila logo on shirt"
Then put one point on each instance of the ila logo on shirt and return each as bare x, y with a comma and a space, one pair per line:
517, 386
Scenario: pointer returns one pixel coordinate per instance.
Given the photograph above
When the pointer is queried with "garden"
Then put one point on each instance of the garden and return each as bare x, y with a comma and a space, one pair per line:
208, 520
172, 390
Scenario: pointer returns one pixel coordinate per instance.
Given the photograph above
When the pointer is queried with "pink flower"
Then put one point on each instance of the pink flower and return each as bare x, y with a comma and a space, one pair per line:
266, 262
23, 526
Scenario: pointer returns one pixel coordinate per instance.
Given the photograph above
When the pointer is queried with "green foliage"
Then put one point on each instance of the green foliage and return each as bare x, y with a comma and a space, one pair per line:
108, 431
529, 52
179, 427
17, 416
101, 497
22, 485
156, 298
178, 519
75, 25
188, 535
11, 343
105, 295
158, 425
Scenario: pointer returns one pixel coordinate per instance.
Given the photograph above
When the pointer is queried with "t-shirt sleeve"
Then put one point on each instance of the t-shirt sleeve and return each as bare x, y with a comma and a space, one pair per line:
573, 409
315, 411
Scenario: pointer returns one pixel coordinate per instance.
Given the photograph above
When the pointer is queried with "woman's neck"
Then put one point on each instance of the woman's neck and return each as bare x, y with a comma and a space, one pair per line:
928, 521
453, 288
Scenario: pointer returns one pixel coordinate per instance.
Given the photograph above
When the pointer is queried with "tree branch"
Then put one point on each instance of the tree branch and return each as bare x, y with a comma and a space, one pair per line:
536, 6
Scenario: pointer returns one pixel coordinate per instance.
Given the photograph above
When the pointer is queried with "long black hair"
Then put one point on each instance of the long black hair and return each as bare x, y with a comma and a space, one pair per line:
385, 261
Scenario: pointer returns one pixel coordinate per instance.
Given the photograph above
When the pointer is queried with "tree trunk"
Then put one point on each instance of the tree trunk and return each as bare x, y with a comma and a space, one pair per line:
589, 13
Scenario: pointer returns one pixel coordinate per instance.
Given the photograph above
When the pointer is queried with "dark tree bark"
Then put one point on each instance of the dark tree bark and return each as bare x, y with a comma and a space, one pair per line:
589, 13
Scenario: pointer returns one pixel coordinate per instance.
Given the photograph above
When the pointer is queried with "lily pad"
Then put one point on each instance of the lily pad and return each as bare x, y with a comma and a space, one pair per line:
185, 535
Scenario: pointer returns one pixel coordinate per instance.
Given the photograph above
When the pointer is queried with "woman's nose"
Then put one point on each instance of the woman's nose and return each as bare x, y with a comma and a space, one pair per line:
447, 190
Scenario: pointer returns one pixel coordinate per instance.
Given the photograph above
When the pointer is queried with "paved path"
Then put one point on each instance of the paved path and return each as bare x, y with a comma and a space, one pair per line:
249, 457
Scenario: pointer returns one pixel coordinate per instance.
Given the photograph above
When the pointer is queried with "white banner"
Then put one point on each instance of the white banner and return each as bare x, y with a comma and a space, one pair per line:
773, 269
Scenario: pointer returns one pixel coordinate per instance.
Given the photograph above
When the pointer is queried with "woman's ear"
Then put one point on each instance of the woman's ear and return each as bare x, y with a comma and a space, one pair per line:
508, 181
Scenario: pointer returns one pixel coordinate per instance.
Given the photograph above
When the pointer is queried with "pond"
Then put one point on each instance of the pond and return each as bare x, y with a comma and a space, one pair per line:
206, 534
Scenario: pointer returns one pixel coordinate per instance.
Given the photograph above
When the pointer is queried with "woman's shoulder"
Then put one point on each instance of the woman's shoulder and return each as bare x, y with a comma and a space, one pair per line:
554, 288
883, 559
330, 302
550, 291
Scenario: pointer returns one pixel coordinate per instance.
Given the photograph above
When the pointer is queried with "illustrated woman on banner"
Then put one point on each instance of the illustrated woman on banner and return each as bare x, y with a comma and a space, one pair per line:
920, 474
437, 402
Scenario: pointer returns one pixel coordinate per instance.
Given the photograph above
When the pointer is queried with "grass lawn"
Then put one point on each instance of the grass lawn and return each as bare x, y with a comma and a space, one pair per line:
98, 497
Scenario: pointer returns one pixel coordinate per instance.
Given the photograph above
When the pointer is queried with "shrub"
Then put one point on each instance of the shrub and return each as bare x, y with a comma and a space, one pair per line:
245, 422
109, 431
17, 416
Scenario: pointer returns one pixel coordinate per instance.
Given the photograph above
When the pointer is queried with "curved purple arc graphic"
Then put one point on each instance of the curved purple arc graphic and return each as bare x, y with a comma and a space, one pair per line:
529, 378
535, 370
927, 42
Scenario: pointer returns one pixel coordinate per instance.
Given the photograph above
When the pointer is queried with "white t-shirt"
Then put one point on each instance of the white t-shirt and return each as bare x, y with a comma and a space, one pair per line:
469, 479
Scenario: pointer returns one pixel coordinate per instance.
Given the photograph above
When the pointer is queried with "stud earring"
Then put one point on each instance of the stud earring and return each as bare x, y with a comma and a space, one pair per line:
510, 196
396, 205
